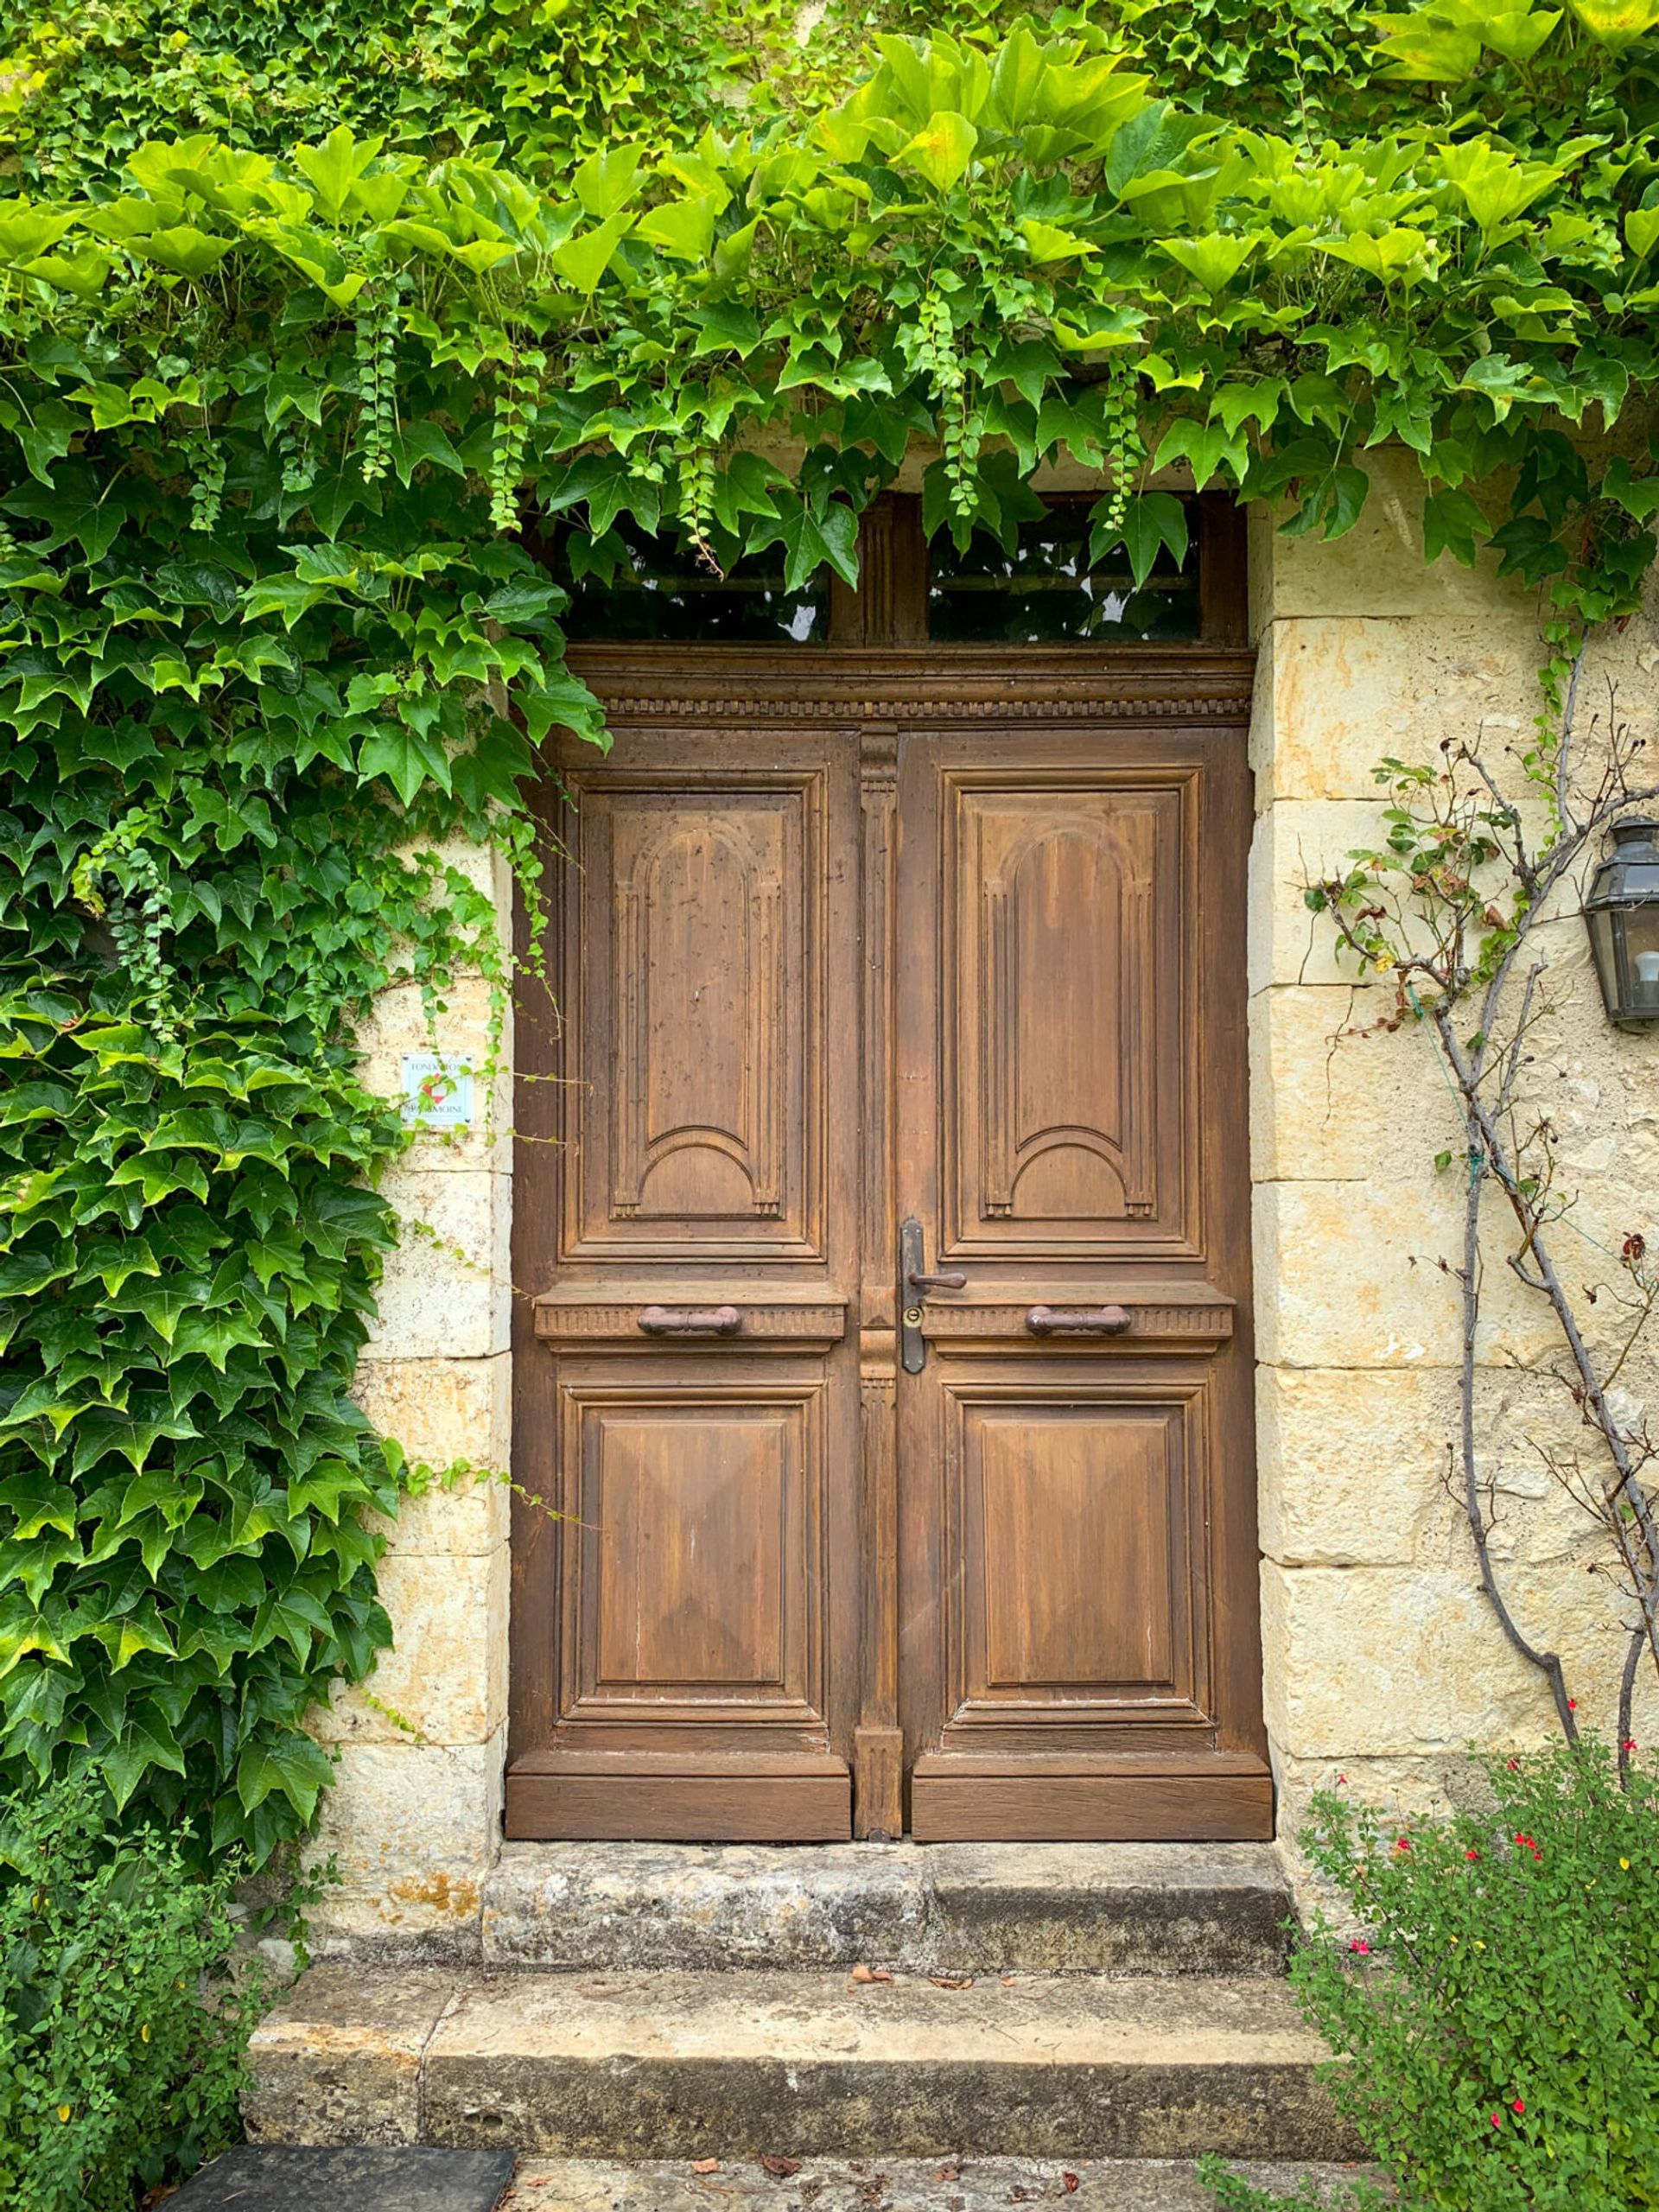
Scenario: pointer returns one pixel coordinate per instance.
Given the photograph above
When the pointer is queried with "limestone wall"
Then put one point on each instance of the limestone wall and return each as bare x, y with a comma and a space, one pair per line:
413, 1822
1383, 1661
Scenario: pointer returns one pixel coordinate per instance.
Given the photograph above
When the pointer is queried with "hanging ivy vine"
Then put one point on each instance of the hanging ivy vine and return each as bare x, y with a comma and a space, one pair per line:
274, 398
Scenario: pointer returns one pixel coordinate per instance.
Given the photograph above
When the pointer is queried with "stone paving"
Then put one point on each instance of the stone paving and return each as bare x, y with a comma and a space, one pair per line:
888, 2185
291, 2177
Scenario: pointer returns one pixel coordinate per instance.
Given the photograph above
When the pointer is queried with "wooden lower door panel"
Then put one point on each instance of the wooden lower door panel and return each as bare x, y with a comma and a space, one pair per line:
695, 1529
1075, 1499
1074, 1662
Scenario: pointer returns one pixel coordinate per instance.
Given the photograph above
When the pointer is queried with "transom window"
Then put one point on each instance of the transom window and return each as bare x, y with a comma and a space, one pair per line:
1043, 589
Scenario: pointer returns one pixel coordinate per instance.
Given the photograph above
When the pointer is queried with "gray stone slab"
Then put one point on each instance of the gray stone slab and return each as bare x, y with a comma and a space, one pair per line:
1109, 1907
658, 2064
1129, 1909
292, 2177
879, 2184
339, 2060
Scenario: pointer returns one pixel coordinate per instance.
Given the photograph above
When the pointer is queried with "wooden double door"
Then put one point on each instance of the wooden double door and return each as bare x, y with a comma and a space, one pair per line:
883, 1397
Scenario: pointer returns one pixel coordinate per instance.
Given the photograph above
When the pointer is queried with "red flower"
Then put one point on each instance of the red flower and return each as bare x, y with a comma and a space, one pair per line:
1629, 1744
1402, 1843
1472, 1854
1513, 1765
1342, 1781
1523, 1842
1498, 2120
1361, 1945
1520, 2105
1572, 1705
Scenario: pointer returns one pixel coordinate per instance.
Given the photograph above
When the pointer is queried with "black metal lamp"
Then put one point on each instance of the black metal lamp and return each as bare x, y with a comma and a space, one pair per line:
1622, 915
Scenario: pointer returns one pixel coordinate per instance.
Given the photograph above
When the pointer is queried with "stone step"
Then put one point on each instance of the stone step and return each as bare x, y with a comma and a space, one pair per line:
901, 2185
972, 1908
658, 2064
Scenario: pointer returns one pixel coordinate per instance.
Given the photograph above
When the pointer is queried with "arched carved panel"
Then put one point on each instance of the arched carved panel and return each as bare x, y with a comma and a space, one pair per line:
698, 989
1068, 1114
696, 1124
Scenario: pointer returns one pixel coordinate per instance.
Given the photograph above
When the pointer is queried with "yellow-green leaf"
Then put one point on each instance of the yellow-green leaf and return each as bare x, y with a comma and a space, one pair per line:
943, 150
1048, 242
582, 261
683, 227
183, 249
606, 181
1215, 260
1616, 23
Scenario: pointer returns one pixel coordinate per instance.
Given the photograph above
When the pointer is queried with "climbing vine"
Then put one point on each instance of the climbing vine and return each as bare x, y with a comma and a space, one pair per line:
277, 395
1447, 917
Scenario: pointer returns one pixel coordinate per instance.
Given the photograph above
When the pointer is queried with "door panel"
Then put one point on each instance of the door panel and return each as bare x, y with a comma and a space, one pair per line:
1075, 1456
699, 916
695, 1544
1064, 1123
686, 1405
1081, 1549
897, 938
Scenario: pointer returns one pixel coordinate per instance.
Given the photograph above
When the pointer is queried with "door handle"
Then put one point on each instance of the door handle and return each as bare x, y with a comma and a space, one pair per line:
1078, 1320
914, 1283
690, 1321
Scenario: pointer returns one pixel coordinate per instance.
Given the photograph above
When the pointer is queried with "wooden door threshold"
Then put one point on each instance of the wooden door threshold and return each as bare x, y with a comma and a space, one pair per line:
596, 1796
1199, 1797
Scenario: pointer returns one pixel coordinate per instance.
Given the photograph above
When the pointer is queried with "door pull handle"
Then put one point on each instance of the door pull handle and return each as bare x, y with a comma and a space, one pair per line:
1078, 1320
914, 1283
690, 1321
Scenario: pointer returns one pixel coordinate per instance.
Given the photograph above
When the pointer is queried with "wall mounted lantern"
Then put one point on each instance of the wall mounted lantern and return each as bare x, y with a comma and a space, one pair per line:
1622, 915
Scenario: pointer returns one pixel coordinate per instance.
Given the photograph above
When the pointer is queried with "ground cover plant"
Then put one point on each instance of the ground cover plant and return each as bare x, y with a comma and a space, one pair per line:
277, 395
1496, 2020
121, 2036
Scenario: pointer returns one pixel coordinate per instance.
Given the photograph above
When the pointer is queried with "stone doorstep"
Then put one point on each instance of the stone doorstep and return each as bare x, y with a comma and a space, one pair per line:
895, 2185
286, 2177
1089, 1908
663, 2065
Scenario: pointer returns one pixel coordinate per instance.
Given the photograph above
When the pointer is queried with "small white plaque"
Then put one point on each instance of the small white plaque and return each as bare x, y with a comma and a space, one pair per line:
437, 1091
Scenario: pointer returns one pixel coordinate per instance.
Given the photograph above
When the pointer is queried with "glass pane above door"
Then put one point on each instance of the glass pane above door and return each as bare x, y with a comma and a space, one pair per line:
1046, 591
628, 586
1040, 589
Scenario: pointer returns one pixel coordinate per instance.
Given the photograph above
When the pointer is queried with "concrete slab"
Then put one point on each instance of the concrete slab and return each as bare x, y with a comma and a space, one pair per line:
1128, 1909
293, 2177
896, 2185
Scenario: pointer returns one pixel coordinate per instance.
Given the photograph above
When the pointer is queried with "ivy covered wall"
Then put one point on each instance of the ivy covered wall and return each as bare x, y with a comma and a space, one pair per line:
277, 394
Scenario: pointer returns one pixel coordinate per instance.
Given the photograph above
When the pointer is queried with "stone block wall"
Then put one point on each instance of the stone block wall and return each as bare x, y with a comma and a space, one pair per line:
1382, 1659
413, 1822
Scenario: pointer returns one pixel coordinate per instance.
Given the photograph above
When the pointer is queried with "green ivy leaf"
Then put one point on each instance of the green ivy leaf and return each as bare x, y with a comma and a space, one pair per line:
942, 150
1452, 523
291, 1763
1151, 520
682, 227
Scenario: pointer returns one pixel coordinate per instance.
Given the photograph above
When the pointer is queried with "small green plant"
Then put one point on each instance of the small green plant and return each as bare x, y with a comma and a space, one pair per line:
1235, 2193
121, 2032
1497, 2022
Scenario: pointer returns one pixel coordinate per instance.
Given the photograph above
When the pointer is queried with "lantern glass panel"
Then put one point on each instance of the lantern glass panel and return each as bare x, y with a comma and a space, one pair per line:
1641, 932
